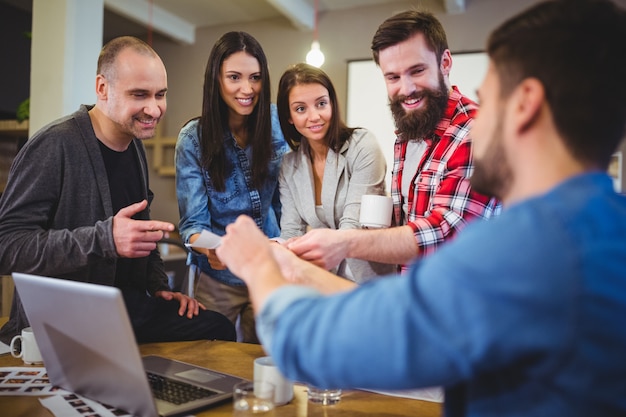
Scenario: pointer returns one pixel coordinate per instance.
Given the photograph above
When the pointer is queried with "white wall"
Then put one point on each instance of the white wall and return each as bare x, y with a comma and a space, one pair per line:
67, 37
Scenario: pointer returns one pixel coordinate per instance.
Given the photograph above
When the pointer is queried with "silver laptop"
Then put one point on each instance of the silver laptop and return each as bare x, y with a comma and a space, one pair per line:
88, 347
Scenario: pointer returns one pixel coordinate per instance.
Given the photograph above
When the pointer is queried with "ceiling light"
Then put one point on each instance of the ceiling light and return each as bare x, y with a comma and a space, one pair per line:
315, 56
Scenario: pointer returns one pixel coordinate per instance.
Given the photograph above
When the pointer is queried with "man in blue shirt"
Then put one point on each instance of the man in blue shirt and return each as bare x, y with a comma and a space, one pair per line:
521, 315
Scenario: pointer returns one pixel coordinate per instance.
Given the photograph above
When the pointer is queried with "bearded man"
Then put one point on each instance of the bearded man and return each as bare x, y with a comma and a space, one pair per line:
432, 196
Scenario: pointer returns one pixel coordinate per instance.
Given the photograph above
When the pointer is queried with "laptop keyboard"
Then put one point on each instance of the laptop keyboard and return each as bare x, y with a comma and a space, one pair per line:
176, 392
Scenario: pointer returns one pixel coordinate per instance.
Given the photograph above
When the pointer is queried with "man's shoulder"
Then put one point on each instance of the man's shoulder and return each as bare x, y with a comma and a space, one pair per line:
64, 126
455, 125
464, 107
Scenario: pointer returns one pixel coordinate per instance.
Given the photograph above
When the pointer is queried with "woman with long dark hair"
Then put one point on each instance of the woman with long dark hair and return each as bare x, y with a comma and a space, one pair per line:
227, 164
332, 166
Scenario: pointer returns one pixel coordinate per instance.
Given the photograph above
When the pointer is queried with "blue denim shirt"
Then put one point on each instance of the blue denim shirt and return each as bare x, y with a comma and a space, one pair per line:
203, 207
521, 315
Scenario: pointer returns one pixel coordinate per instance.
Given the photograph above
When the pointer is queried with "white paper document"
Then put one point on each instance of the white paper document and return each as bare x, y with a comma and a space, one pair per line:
72, 405
434, 394
31, 381
207, 240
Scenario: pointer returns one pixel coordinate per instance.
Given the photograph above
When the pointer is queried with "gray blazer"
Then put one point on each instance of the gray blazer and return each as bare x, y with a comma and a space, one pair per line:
359, 168
56, 213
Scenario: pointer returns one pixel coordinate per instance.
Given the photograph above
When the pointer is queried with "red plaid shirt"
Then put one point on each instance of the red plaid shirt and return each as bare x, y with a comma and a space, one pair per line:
441, 201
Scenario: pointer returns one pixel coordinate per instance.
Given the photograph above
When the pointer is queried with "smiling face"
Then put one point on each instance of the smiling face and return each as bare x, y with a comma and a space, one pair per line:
417, 85
133, 95
310, 111
240, 83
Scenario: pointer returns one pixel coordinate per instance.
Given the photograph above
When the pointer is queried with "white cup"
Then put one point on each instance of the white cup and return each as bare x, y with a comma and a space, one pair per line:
375, 211
29, 351
266, 370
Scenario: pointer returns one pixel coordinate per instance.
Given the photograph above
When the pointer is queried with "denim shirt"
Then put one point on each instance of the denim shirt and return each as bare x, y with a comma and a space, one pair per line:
203, 207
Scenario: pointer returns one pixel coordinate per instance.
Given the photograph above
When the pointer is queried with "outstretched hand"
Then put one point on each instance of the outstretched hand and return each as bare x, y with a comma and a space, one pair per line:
247, 253
288, 262
214, 260
299, 271
244, 248
325, 248
137, 238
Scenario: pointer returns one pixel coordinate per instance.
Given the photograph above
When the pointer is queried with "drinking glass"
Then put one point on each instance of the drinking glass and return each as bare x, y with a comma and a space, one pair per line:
253, 398
323, 396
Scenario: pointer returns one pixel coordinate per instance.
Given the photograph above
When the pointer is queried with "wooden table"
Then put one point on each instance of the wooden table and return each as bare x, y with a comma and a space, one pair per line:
237, 359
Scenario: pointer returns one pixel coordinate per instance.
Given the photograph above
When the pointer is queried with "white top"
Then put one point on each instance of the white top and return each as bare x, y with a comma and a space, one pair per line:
414, 153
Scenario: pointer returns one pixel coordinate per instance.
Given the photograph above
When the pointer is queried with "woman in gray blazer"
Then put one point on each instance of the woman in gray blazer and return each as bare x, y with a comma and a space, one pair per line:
332, 165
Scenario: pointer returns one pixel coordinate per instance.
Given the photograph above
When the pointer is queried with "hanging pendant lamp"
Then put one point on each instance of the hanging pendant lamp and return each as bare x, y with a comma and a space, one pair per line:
315, 56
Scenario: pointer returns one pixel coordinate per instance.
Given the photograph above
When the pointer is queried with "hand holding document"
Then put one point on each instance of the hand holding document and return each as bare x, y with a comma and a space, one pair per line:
206, 240
209, 240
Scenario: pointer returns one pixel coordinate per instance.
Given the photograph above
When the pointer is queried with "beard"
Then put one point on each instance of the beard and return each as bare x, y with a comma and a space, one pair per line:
492, 174
417, 124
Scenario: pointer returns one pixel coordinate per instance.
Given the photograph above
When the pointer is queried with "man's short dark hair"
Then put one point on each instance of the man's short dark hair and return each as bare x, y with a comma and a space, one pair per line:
577, 50
111, 50
402, 26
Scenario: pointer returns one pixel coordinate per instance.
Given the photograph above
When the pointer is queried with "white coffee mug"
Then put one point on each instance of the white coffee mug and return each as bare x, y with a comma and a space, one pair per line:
375, 211
266, 370
29, 351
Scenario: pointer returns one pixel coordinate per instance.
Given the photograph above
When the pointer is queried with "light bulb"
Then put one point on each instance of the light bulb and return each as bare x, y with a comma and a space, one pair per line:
315, 56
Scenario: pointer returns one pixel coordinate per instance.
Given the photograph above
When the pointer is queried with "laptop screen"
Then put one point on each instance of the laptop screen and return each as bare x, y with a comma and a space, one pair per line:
86, 341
